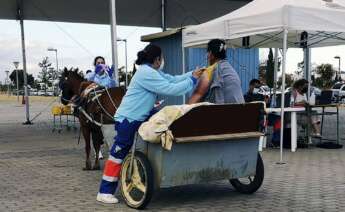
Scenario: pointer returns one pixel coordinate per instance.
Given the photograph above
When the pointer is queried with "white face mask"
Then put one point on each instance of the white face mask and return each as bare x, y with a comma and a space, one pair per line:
256, 90
161, 67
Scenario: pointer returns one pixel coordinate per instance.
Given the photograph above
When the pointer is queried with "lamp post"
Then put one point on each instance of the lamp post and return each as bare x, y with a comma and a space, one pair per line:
126, 75
338, 75
8, 82
16, 64
57, 64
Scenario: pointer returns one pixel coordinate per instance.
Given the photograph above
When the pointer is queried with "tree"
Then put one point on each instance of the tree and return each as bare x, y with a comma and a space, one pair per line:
122, 75
289, 80
300, 69
326, 73
13, 78
262, 72
46, 76
269, 74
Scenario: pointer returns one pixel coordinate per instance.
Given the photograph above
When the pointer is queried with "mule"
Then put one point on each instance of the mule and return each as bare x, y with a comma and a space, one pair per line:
96, 111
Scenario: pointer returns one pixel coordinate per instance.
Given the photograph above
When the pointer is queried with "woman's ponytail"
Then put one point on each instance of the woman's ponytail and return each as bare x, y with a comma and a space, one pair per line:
149, 54
141, 58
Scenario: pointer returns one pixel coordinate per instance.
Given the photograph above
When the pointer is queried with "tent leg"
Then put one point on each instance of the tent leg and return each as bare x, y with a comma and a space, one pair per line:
114, 39
183, 62
275, 77
164, 25
283, 97
307, 76
20, 16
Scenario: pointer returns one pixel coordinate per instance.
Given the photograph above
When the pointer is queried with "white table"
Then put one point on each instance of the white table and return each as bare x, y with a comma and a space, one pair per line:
293, 111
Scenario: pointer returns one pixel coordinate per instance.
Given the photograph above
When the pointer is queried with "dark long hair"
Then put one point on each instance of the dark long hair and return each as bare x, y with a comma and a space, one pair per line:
149, 54
96, 58
217, 48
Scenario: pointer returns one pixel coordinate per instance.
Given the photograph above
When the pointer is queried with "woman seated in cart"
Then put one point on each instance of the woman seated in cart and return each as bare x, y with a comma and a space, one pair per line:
220, 83
147, 83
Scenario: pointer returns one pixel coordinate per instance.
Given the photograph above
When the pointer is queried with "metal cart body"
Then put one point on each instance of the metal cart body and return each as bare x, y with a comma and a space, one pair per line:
201, 162
207, 147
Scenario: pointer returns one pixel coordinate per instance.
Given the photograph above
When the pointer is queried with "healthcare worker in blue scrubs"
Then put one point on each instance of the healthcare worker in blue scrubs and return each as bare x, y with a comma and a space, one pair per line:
136, 106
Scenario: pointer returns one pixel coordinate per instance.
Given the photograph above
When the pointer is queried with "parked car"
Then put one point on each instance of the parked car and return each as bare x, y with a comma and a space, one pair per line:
339, 92
33, 92
49, 93
41, 93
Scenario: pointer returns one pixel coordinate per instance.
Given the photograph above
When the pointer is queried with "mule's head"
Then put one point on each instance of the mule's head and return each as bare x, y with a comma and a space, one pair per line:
69, 84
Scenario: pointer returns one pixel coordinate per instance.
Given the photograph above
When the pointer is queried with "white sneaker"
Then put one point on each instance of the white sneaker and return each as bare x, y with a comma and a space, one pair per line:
107, 198
100, 155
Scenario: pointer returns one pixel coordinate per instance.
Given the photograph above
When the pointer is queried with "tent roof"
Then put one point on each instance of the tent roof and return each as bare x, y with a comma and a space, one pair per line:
264, 21
129, 12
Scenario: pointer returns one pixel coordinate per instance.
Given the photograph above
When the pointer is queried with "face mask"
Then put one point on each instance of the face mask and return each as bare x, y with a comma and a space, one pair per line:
256, 90
161, 67
305, 90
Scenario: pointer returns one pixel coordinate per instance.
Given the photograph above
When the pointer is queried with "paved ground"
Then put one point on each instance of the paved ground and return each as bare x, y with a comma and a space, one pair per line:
41, 171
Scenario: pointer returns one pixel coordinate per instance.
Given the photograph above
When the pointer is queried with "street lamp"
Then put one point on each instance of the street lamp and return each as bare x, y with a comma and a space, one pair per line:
8, 83
338, 75
16, 64
125, 40
57, 64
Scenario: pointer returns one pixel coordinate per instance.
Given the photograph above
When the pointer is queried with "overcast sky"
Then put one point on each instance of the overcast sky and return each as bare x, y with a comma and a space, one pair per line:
78, 44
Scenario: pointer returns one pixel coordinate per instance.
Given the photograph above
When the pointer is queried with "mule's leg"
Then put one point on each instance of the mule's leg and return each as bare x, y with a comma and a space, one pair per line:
97, 139
86, 133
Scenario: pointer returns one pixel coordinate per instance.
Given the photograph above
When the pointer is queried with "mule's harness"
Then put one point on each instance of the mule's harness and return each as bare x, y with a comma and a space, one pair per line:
96, 97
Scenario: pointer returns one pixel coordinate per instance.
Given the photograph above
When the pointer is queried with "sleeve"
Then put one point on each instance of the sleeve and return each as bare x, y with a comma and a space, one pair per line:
177, 78
156, 83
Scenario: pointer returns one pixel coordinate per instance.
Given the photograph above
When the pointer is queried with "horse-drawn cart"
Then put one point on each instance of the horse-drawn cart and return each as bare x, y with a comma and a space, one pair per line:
213, 142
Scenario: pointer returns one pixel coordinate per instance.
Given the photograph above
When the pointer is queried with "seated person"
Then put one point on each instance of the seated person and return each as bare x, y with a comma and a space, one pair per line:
299, 98
253, 93
219, 83
102, 77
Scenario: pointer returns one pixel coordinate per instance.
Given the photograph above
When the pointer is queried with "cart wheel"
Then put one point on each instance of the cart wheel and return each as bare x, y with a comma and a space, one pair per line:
250, 184
137, 189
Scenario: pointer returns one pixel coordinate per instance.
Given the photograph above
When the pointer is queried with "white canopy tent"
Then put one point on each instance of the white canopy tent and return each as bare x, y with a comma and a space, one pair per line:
279, 24
265, 20
150, 13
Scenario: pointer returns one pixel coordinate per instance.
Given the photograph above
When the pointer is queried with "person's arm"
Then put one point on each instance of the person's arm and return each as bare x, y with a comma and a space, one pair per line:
201, 89
156, 83
176, 78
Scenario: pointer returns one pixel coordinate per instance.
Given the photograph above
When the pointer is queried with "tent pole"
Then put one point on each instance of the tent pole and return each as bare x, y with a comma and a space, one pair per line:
275, 77
20, 16
283, 96
164, 23
307, 65
114, 39
183, 61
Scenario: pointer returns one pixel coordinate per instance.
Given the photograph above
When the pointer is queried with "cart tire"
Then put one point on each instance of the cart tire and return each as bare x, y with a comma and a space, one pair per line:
255, 183
144, 170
